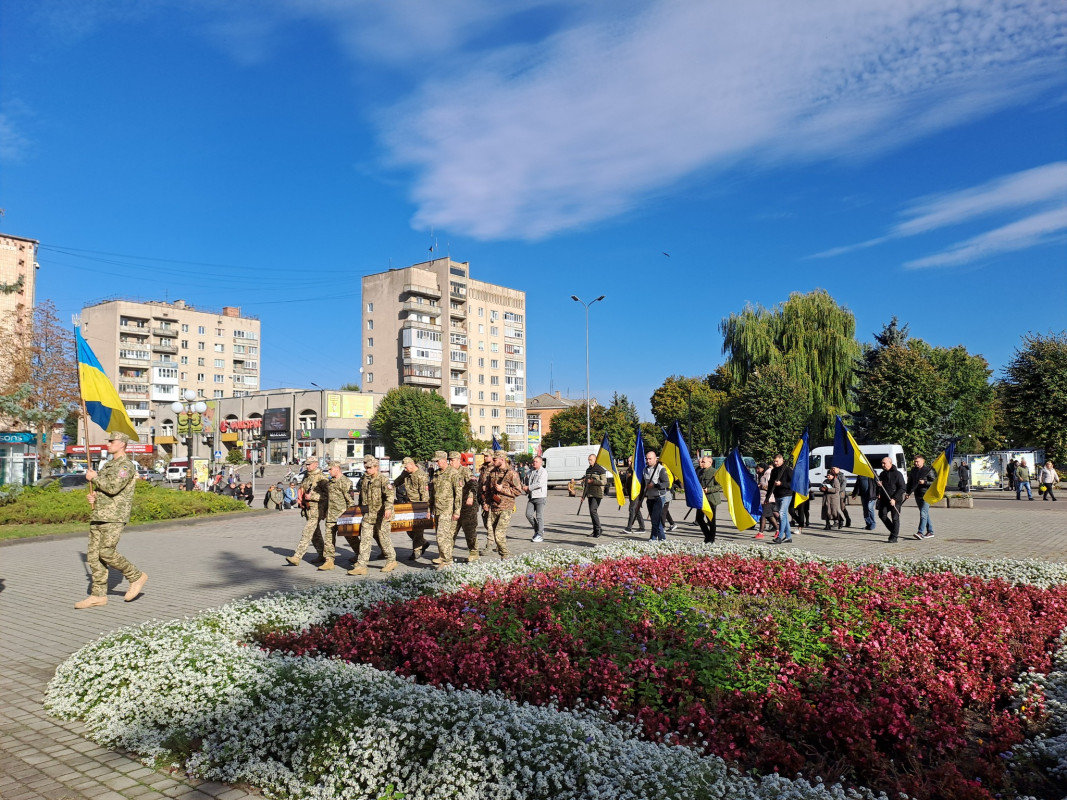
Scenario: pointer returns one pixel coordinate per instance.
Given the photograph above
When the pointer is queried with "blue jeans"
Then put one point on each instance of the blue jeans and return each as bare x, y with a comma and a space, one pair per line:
1019, 490
783, 512
535, 514
924, 516
655, 518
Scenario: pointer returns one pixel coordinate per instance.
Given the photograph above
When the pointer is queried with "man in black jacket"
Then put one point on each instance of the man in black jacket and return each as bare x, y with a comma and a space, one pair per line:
921, 478
595, 478
890, 497
780, 491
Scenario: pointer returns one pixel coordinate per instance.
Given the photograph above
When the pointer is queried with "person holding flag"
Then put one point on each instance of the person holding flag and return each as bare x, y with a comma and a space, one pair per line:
780, 492
801, 483
596, 477
680, 466
111, 488
928, 486
742, 493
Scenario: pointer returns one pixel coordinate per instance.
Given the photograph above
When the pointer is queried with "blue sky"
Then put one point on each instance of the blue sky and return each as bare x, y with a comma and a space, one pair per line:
908, 157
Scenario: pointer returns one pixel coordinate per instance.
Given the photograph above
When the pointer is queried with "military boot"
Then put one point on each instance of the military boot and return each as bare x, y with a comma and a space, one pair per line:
389, 567
91, 601
359, 569
294, 561
136, 587
326, 565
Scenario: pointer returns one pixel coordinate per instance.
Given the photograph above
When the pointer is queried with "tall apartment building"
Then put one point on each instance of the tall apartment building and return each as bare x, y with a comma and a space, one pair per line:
432, 326
154, 351
18, 284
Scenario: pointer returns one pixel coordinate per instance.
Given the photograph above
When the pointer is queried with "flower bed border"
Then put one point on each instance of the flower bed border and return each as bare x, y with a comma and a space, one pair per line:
189, 692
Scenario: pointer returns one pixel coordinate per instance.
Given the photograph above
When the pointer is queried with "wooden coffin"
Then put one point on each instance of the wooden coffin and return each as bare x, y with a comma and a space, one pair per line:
406, 517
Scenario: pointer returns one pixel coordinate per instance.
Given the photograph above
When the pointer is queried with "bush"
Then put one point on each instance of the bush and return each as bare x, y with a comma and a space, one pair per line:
50, 505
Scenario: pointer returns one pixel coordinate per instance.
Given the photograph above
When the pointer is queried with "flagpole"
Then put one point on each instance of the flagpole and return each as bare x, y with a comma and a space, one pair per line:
76, 319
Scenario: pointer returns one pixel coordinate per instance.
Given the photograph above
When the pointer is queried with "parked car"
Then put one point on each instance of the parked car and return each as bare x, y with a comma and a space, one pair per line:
66, 481
155, 477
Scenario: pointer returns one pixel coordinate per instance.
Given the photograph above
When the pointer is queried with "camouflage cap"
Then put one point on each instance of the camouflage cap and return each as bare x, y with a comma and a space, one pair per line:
408, 460
370, 461
453, 454
487, 453
440, 454
118, 436
337, 464
311, 460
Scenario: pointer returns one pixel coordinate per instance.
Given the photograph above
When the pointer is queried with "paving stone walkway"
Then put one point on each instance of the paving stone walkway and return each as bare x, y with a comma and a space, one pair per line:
208, 563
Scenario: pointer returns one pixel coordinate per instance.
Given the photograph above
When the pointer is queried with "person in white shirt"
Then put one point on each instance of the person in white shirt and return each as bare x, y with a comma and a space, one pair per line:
537, 492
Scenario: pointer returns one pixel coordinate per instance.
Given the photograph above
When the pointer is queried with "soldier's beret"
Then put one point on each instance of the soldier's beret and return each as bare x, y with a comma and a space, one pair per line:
453, 454
408, 460
337, 464
437, 456
118, 436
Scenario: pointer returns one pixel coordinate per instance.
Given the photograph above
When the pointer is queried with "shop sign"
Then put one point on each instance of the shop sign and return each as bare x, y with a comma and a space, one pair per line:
17, 438
354, 434
226, 425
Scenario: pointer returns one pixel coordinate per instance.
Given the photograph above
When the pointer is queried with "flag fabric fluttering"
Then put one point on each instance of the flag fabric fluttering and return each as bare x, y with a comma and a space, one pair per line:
496, 445
801, 485
676, 459
742, 493
847, 454
670, 473
941, 466
102, 402
637, 482
606, 459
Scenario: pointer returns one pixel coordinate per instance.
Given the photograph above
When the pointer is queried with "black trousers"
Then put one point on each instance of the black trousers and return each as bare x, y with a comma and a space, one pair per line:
890, 516
707, 525
801, 514
594, 513
635, 515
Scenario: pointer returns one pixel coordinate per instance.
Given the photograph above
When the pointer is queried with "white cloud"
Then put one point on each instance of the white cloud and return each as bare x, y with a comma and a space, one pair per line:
13, 144
1037, 229
539, 139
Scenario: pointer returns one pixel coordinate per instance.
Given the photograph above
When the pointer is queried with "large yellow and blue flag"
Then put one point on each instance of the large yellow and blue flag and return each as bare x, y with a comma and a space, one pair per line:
606, 459
941, 466
102, 402
801, 485
676, 459
637, 482
742, 493
847, 454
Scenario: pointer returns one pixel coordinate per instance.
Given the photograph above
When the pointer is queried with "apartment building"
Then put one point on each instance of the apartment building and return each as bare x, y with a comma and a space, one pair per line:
18, 284
153, 351
433, 326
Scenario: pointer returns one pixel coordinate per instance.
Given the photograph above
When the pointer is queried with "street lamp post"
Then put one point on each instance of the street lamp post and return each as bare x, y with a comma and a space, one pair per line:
190, 408
577, 299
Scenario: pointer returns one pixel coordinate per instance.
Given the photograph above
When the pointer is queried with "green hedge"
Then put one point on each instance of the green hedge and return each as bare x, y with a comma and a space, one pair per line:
50, 505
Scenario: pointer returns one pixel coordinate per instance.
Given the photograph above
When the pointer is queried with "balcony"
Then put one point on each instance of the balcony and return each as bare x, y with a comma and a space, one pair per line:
411, 379
459, 398
165, 348
457, 381
426, 326
238, 370
134, 390
421, 308
135, 362
424, 291
165, 364
165, 331
136, 413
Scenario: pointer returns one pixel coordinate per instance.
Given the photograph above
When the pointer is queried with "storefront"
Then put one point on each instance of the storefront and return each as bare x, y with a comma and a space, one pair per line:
18, 458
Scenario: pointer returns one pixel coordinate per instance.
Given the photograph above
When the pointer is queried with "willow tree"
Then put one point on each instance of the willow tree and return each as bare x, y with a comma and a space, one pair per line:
812, 338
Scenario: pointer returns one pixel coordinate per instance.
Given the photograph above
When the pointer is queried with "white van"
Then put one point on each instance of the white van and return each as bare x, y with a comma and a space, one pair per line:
176, 473
822, 458
565, 464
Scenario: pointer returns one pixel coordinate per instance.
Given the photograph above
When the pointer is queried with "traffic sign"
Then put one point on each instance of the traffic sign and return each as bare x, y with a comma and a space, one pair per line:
218, 454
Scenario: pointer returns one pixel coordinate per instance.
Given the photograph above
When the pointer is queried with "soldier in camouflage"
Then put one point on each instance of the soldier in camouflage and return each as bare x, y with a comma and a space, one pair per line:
416, 485
468, 506
315, 491
111, 500
483, 494
376, 492
504, 486
445, 508
338, 499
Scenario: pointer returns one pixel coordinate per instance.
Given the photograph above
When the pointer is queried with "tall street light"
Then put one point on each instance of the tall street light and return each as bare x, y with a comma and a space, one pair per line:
577, 299
191, 410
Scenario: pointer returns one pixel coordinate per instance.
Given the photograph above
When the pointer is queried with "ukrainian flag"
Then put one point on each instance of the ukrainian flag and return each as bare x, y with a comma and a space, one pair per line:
742, 493
670, 473
677, 461
801, 485
847, 455
941, 467
605, 459
102, 402
637, 483
496, 445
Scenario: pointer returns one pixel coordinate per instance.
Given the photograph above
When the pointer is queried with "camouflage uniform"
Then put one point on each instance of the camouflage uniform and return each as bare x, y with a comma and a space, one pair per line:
484, 493
417, 486
504, 486
113, 485
315, 489
445, 505
468, 510
377, 494
338, 499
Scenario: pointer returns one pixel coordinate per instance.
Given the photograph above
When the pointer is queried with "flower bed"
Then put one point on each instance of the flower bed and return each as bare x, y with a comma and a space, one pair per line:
776, 661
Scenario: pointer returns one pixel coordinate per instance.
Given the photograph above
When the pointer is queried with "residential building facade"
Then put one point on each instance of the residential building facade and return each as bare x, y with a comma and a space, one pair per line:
18, 286
539, 412
434, 327
154, 351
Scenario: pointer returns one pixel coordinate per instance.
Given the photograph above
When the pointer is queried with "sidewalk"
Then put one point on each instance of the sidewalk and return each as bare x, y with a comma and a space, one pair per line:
199, 566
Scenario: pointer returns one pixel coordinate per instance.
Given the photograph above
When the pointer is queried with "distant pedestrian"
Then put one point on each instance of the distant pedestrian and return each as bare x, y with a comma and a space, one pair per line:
634, 508
713, 492
289, 495
594, 480
504, 486
1048, 478
891, 497
1022, 480
964, 471
537, 496
866, 490
262, 470
832, 496
276, 497
657, 486
1013, 465
780, 492
920, 479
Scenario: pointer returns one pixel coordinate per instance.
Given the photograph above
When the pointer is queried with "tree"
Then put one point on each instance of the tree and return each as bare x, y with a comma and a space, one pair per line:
350, 387
43, 382
235, 456
568, 427
414, 423
1034, 394
620, 424
697, 404
812, 337
970, 413
770, 413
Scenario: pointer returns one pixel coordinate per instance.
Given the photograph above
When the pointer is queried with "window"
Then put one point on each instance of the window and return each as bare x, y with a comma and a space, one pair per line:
199, 345
481, 362
370, 359
201, 393
185, 328
370, 324
184, 376
220, 348
494, 330
481, 313
220, 378
251, 365
494, 380
370, 308
238, 348
201, 329
481, 328
496, 430
511, 316
200, 377
481, 346
220, 331
494, 347
185, 359
218, 393
481, 395
481, 412
370, 377
494, 315
494, 363
219, 363
495, 398
481, 429
185, 344
200, 362
370, 341
253, 350
481, 380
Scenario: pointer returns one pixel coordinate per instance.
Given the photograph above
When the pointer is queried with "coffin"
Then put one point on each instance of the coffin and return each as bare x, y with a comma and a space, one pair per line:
406, 517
